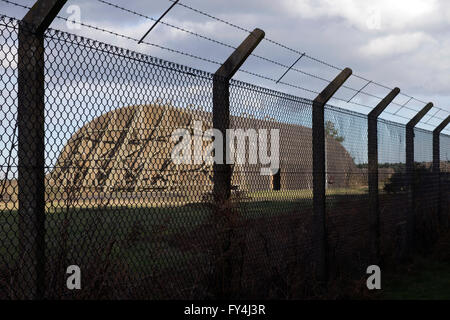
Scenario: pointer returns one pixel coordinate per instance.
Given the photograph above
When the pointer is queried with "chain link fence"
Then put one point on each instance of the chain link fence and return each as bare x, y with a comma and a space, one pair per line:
141, 225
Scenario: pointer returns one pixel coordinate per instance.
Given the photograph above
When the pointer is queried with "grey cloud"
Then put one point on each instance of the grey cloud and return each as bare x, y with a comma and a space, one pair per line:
339, 32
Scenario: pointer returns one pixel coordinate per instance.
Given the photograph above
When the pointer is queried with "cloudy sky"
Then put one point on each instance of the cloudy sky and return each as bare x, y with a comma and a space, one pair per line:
404, 43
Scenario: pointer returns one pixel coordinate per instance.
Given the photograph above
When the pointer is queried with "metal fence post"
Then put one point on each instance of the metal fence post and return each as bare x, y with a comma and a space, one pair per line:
409, 181
437, 167
372, 135
31, 172
221, 108
223, 274
318, 137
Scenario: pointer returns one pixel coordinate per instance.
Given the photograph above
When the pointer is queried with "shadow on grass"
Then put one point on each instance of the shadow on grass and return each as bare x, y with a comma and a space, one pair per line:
165, 252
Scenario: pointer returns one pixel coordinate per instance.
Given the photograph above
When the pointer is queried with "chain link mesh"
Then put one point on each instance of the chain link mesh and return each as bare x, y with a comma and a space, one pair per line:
141, 226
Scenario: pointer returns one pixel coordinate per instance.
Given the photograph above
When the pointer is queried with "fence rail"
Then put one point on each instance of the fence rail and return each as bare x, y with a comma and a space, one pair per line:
87, 178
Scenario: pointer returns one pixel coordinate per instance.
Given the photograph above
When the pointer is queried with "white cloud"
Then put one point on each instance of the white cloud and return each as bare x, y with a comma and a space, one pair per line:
367, 14
395, 44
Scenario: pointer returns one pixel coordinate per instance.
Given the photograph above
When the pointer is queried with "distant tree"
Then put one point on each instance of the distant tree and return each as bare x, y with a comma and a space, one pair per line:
331, 131
423, 179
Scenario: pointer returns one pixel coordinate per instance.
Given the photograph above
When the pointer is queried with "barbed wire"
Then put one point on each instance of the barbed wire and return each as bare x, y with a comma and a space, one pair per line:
167, 24
229, 46
321, 61
213, 40
218, 63
431, 117
171, 50
241, 70
255, 55
16, 4
90, 26
357, 91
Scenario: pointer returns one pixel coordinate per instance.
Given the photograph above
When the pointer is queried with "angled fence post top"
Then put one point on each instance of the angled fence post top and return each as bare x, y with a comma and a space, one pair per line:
334, 86
372, 155
419, 116
235, 61
375, 113
41, 15
31, 144
442, 126
319, 171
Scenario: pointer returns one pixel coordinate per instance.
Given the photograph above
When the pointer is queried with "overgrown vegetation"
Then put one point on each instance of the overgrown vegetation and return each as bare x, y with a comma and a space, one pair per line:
258, 246
423, 179
331, 131
426, 277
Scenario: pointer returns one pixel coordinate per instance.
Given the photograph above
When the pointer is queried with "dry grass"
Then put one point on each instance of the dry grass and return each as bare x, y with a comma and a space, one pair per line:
231, 253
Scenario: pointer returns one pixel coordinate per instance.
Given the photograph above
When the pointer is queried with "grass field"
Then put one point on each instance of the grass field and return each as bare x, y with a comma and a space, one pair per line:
426, 279
151, 239
143, 235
